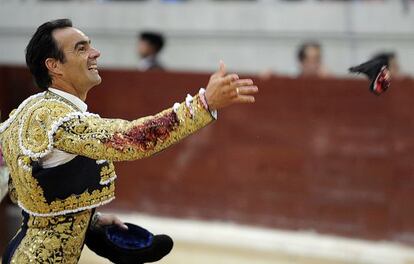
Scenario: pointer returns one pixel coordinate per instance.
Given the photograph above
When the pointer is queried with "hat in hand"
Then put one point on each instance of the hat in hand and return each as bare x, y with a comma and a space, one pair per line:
134, 245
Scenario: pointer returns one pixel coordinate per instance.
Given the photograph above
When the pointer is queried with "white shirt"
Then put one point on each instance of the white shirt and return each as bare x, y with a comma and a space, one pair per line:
58, 157
145, 63
71, 98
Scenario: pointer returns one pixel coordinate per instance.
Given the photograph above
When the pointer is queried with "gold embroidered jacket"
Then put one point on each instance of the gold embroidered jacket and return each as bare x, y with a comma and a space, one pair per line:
46, 121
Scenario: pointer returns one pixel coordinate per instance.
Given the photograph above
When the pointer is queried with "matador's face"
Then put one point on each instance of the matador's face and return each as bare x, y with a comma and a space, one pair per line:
80, 68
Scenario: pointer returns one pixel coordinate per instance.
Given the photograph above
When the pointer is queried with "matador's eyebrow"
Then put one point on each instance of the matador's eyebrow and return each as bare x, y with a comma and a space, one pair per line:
82, 42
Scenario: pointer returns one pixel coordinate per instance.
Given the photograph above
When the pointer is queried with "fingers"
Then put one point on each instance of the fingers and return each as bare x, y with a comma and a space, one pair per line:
242, 82
247, 90
226, 89
243, 87
243, 91
221, 72
230, 78
105, 219
244, 94
245, 99
116, 221
222, 69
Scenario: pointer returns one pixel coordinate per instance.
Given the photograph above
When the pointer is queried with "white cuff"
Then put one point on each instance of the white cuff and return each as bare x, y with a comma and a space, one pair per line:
213, 113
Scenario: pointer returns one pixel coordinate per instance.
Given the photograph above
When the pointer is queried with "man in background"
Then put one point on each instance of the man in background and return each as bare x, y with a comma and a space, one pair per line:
150, 45
309, 56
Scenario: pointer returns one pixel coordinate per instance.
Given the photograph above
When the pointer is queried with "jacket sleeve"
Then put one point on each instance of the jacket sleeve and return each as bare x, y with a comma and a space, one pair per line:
119, 140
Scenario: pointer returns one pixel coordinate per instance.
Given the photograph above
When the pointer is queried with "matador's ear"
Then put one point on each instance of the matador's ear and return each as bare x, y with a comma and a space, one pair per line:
377, 71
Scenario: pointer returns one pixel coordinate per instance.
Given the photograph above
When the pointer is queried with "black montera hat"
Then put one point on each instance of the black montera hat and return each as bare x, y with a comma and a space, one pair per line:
135, 245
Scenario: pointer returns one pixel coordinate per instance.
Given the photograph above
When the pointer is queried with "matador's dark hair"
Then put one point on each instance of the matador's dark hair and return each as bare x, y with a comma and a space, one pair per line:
42, 46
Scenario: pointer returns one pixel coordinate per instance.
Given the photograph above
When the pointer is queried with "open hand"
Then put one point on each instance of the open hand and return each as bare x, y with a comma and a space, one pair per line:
226, 89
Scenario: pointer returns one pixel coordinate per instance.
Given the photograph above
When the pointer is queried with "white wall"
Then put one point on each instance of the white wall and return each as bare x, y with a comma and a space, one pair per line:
249, 36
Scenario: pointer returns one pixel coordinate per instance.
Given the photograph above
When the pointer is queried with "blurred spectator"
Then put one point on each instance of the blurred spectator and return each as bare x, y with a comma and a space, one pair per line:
310, 60
150, 45
393, 65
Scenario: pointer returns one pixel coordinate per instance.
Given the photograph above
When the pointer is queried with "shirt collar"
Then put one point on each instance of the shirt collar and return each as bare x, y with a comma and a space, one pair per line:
71, 98
145, 63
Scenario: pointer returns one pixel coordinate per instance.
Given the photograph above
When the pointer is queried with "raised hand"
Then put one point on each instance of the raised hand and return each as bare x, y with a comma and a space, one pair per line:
226, 89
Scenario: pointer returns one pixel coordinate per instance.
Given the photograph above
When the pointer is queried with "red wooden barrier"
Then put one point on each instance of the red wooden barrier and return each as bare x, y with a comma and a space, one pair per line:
323, 155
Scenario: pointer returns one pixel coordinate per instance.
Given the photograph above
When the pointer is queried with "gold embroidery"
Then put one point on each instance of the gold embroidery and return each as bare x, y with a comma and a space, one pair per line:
12, 192
59, 239
120, 140
107, 172
87, 135
24, 187
37, 123
53, 239
34, 123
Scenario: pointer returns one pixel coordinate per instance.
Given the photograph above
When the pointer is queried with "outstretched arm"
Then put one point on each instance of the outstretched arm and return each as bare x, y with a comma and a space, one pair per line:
117, 140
